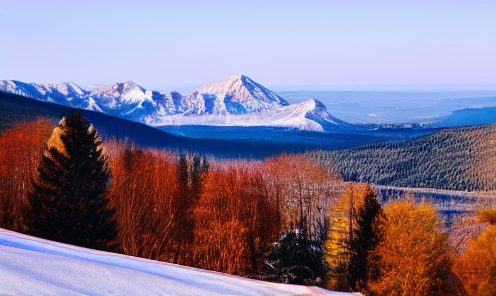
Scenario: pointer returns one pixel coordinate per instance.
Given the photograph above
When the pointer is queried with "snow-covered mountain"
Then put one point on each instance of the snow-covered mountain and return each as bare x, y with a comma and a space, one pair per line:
237, 101
240, 95
34, 266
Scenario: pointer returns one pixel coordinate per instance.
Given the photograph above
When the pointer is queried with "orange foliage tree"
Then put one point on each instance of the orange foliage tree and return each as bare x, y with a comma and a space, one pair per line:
415, 257
477, 266
302, 187
234, 220
144, 192
20, 150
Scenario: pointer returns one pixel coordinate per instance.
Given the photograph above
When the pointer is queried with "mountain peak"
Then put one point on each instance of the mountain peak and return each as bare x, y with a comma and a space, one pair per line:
240, 95
241, 77
128, 84
235, 77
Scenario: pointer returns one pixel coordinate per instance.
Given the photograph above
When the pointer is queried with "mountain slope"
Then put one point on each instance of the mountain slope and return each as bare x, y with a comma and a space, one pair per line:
34, 266
246, 142
453, 159
310, 115
237, 101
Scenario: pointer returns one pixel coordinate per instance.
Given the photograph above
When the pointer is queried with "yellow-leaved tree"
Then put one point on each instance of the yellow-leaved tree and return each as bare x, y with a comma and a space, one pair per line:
414, 258
477, 266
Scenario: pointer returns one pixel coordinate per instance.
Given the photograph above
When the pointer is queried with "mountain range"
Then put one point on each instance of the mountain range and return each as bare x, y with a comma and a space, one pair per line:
236, 101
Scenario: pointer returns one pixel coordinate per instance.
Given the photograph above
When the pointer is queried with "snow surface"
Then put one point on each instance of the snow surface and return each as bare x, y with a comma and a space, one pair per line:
237, 101
34, 266
310, 115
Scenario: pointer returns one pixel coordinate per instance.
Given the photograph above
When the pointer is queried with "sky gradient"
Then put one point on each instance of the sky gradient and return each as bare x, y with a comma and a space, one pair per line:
179, 44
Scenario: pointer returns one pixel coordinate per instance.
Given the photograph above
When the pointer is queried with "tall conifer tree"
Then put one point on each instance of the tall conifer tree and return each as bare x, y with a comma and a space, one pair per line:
68, 201
366, 236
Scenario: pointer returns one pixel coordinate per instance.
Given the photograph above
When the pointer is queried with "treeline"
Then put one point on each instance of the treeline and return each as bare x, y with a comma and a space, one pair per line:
286, 219
461, 159
186, 209
220, 216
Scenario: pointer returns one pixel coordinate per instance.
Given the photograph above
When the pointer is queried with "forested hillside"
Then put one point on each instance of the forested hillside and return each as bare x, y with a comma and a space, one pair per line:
285, 219
453, 159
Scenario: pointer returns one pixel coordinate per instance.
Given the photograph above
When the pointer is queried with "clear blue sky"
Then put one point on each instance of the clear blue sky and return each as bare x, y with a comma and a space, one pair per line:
171, 44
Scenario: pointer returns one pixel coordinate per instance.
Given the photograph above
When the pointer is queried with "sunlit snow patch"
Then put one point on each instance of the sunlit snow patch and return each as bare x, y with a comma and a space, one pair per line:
33, 266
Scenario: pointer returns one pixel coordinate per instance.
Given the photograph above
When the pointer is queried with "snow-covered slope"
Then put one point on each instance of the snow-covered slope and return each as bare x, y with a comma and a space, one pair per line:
33, 266
237, 101
310, 115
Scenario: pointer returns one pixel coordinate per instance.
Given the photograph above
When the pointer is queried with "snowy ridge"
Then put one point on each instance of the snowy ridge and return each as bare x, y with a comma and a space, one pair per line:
237, 101
34, 266
308, 116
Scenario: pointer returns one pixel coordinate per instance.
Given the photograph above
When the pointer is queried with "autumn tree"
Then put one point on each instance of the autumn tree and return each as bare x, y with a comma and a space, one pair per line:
477, 266
20, 150
234, 219
68, 201
191, 171
487, 216
414, 258
337, 250
144, 192
301, 186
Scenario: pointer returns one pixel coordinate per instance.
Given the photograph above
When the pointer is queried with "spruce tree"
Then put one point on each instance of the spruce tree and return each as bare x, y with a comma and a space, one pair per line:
297, 259
366, 236
68, 201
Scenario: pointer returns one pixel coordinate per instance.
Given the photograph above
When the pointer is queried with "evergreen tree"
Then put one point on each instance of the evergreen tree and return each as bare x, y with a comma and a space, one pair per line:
297, 259
68, 201
366, 236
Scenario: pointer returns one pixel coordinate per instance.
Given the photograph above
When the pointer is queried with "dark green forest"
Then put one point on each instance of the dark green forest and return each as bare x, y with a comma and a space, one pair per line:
453, 159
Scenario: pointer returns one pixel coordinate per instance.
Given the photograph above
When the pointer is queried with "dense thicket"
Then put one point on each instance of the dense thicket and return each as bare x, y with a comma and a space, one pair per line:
68, 199
453, 159
20, 150
221, 216
145, 194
